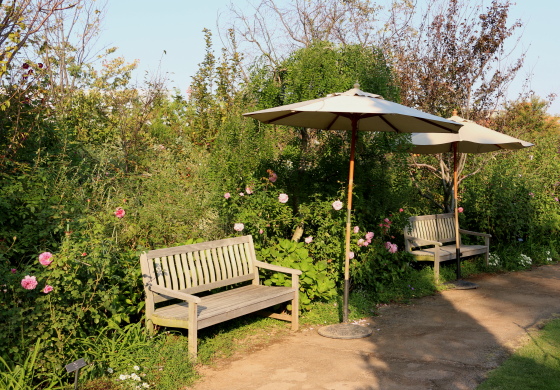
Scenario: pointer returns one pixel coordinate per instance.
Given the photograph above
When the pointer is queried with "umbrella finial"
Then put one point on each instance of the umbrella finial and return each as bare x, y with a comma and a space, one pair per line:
357, 85
455, 113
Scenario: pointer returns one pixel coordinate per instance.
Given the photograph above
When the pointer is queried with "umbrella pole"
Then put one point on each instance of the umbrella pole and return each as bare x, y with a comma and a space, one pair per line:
455, 198
349, 222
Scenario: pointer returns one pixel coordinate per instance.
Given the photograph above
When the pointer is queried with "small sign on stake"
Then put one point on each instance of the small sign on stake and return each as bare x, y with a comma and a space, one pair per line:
75, 366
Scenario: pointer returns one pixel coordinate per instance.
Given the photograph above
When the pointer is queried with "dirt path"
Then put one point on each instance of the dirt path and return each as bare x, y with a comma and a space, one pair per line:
447, 341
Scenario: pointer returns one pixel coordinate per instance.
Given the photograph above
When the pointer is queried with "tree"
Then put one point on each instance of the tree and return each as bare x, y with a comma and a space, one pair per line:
274, 31
454, 59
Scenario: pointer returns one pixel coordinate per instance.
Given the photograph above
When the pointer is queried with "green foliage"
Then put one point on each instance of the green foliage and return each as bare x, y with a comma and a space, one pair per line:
316, 283
20, 377
515, 198
379, 257
320, 69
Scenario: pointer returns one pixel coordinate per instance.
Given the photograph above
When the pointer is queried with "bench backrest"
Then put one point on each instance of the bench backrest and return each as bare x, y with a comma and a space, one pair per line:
435, 227
200, 267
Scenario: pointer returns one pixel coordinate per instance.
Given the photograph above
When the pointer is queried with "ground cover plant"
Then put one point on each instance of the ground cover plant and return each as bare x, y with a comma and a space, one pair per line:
533, 366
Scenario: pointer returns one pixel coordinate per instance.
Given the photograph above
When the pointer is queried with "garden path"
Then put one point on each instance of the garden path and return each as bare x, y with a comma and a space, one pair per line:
446, 341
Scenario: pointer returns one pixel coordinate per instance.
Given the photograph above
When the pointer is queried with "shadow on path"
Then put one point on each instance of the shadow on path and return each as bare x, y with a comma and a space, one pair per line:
447, 341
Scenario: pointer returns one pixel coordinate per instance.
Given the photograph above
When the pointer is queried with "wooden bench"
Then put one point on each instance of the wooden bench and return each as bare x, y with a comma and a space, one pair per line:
172, 276
432, 238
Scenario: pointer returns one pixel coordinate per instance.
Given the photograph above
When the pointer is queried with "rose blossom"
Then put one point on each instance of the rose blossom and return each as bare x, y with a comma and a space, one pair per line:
249, 190
392, 248
337, 205
227, 195
356, 229
401, 210
369, 236
460, 209
350, 255
13, 270
29, 282
361, 242
308, 239
47, 289
238, 227
119, 212
45, 258
241, 194
272, 176
282, 198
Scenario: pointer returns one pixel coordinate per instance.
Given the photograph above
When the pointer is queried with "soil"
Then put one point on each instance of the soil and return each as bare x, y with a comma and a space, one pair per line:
447, 341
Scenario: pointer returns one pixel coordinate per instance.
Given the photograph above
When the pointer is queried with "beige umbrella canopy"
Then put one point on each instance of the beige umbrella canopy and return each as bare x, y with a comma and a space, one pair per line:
471, 138
354, 110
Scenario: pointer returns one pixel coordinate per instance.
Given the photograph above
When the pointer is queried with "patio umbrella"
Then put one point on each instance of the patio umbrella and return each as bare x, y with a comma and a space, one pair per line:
354, 110
471, 138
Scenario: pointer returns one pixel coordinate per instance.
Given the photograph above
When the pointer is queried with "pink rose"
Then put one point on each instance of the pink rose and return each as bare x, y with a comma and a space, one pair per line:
227, 195
119, 212
272, 176
47, 289
361, 242
350, 255
29, 282
238, 227
308, 239
369, 236
261, 231
356, 229
460, 209
241, 194
249, 190
282, 198
13, 270
401, 210
392, 248
337, 205
45, 258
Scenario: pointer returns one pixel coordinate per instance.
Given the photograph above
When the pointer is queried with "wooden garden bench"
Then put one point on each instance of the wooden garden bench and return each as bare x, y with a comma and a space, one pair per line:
172, 277
432, 238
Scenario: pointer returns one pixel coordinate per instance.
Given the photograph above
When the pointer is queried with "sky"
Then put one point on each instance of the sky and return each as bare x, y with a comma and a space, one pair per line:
167, 38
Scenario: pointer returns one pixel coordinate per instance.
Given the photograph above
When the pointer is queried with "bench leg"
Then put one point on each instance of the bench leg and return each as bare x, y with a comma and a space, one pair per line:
487, 255
436, 270
150, 326
295, 302
193, 331
295, 312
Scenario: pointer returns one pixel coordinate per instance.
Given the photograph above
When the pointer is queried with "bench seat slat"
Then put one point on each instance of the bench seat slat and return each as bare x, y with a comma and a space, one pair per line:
448, 252
216, 308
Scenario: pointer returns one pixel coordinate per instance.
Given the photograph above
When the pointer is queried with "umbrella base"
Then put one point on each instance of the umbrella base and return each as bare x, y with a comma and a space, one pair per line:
460, 284
344, 331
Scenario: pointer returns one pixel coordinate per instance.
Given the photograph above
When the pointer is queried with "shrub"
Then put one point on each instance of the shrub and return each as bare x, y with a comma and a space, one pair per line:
316, 283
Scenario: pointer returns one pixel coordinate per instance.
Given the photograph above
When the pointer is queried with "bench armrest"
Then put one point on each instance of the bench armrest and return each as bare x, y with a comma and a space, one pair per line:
463, 231
175, 294
277, 268
423, 241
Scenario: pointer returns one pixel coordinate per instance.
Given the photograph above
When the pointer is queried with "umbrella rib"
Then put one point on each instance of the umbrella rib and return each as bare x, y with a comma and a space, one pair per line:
437, 125
389, 124
279, 117
332, 122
